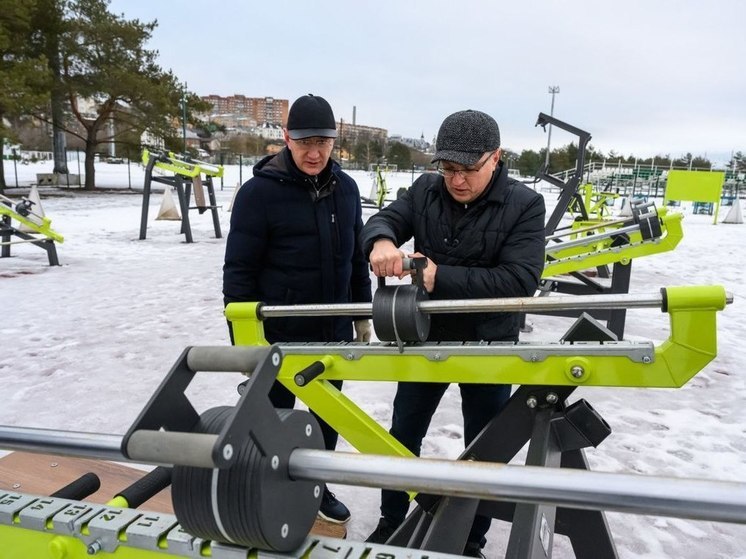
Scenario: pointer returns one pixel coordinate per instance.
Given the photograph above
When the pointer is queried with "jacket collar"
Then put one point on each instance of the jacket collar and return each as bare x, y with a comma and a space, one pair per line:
282, 167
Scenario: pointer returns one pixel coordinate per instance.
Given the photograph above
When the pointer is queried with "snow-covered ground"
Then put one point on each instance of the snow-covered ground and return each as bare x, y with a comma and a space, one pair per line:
85, 344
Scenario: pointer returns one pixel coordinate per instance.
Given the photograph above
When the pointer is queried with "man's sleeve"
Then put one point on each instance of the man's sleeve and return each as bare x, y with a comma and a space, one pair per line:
245, 246
360, 282
394, 222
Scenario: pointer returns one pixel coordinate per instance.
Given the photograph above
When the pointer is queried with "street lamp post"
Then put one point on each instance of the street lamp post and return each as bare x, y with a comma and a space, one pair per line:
184, 116
553, 90
15, 165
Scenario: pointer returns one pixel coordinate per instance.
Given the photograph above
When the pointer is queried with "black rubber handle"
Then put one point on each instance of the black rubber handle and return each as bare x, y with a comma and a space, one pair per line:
416, 263
309, 373
147, 486
85, 485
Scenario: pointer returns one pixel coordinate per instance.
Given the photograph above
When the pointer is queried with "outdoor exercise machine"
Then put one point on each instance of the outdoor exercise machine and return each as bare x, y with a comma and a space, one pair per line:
38, 232
573, 251
249, 477
596, 203
187, 175
592, 244
378, 191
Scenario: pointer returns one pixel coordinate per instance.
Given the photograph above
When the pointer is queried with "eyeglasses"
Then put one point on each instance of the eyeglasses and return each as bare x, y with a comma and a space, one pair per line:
465, 173
308, 143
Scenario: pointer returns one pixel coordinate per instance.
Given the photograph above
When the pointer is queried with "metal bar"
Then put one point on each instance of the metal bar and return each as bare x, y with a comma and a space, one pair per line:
588, 229
24, 241
590, 239
637, 352
507, 304
242, 359
63, 443
720, 501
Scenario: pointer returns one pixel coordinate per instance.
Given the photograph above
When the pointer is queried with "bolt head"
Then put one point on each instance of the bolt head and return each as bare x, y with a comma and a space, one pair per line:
228, 451
552, 398
577, 371
532, 402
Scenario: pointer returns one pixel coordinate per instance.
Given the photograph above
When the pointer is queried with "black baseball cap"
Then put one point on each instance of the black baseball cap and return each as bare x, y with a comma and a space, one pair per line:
465, 136
309, 116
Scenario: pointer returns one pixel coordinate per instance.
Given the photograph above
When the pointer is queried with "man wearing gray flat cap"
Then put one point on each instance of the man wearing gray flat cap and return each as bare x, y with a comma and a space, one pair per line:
483, 236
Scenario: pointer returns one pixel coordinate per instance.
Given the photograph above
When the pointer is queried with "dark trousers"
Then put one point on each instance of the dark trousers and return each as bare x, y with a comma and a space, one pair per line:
414, 406
281, 397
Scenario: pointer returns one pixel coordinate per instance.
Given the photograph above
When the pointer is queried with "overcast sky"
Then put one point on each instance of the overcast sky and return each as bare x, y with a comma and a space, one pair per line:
643, 77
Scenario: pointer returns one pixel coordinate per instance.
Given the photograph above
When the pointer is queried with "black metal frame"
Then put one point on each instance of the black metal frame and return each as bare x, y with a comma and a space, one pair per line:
555, 439
557, 433
184, 193
620, 273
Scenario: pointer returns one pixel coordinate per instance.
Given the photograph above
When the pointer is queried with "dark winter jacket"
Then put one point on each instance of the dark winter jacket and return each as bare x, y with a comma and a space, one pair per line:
294, 239
493, 247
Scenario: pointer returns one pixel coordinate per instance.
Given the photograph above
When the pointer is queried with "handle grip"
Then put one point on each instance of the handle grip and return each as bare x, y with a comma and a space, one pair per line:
305, 376
146, 487
415, 263
85, 485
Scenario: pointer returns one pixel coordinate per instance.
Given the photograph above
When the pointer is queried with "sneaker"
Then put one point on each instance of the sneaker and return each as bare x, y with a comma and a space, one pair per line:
332, 509
383, 532
473, 549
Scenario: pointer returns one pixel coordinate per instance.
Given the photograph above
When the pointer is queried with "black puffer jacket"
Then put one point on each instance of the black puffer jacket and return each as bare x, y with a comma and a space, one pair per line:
294, 239
493, 247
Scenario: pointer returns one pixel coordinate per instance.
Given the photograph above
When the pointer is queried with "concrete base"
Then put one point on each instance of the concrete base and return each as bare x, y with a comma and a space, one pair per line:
57, 179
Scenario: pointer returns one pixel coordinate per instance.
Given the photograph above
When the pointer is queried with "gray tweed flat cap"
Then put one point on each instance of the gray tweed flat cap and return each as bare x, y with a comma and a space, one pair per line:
465, 136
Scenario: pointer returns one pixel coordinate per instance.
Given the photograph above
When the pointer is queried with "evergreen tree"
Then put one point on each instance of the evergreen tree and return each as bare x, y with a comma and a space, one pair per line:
737, 162
112, 82
49, 25
398, 154
529, 163
23, 77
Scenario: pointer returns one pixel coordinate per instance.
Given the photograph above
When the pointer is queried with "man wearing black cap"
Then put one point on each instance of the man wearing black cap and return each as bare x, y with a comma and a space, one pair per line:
483, 235
294, 239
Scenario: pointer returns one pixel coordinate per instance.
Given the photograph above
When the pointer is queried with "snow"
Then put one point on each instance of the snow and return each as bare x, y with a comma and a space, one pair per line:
85, 344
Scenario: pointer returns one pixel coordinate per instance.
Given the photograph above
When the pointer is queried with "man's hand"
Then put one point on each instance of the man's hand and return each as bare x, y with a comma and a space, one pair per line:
362, 330
428, 272
386, 259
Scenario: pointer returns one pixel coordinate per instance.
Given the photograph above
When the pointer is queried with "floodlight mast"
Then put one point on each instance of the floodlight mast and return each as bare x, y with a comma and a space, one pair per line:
553, 90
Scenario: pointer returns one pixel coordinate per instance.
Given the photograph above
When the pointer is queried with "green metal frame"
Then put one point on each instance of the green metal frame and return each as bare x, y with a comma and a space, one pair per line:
189, 169
596, 202
691, 345
600, 252
45, 228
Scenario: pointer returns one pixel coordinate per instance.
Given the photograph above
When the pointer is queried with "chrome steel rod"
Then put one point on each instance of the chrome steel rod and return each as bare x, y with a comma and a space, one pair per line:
63, 443
590, 239
590, 228
507, 304
684, 498
720, 501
